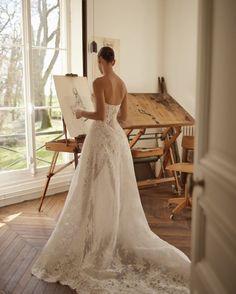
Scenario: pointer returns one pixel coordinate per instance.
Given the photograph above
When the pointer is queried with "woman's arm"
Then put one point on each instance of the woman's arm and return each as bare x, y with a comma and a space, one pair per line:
122, 116
99, 113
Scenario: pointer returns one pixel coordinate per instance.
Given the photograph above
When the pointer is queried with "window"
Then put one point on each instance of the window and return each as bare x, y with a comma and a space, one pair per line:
12, 104
34, 44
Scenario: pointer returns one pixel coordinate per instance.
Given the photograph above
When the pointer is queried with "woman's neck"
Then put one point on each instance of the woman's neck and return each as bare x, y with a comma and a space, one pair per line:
108, 70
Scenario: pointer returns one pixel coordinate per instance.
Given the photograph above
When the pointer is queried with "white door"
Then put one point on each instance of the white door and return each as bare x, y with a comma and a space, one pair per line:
214, 195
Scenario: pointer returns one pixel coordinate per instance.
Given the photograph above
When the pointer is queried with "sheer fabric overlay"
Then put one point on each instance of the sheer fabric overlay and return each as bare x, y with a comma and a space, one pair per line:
102, 242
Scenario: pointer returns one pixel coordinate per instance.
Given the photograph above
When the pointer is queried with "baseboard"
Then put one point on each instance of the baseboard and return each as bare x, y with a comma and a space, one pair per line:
13, 193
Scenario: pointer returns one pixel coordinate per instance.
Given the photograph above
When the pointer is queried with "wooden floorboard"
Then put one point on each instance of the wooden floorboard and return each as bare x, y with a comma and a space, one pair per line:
24, 231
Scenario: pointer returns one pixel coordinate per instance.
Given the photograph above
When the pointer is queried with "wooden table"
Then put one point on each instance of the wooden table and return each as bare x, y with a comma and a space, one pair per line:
155, 111
158, 110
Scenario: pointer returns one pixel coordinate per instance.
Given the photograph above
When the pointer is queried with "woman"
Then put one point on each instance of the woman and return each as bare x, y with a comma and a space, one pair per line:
102, 242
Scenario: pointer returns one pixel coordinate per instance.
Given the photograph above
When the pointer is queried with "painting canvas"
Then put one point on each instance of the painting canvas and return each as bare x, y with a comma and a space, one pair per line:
74, 93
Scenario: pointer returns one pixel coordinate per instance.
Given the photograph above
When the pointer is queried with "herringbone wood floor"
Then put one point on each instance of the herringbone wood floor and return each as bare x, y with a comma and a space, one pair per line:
24, 231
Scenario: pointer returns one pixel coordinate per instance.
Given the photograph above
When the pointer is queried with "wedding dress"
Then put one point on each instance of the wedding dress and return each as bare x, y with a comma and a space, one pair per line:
102, 242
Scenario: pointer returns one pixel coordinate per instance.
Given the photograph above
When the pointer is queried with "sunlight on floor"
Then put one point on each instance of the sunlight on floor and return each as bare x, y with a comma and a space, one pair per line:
2, 225
11, 217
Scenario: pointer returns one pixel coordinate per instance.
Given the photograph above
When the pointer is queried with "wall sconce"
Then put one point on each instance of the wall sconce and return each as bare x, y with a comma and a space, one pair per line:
93, 47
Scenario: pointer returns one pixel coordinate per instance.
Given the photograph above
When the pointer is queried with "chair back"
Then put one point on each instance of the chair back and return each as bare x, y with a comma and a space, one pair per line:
187, 153
187, 148
188, 142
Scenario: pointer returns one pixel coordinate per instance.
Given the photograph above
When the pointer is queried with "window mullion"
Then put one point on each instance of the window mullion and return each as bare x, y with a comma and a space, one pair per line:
67, 29
28, 88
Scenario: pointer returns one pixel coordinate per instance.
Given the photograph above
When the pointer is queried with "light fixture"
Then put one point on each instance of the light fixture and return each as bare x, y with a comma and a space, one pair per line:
93, 47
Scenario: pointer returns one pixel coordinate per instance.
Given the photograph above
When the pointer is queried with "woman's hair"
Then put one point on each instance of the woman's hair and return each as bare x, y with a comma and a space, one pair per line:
107, 53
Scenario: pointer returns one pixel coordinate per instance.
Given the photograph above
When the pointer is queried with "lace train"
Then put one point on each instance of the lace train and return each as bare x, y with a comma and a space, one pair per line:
102, 242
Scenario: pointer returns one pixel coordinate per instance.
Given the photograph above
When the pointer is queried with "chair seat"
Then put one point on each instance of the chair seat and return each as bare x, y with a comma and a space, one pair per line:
146, 159
146, 152
183, 167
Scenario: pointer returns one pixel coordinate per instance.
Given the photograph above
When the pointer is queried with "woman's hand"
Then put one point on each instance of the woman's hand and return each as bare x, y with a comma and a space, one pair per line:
79, 113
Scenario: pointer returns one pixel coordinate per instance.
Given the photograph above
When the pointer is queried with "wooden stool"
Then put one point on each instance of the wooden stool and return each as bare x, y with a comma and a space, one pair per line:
185, 201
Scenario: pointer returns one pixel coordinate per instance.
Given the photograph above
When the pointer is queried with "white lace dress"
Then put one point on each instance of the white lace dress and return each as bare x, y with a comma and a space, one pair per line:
102, 242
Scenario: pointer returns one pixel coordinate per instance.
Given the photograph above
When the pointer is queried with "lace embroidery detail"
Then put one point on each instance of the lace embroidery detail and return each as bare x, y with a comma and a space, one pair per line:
102, 242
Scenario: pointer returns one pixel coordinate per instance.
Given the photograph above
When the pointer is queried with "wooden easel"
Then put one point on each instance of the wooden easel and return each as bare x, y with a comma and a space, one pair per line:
65, 145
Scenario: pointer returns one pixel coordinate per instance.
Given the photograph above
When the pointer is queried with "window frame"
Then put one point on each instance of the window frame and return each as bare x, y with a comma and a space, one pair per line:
20, 176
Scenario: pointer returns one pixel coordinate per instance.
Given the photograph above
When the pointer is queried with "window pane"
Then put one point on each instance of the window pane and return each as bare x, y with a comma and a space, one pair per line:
10, 53
12, 140
47, 63
48, 27
44, 157
46, 23
12, 121
10, 23
48, 120
53, 132
11, 85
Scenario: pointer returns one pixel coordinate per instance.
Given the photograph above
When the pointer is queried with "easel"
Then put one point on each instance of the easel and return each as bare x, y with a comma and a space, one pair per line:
65, 145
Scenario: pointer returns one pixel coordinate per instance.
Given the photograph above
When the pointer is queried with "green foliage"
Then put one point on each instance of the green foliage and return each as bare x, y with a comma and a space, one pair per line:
13, 150
12, 160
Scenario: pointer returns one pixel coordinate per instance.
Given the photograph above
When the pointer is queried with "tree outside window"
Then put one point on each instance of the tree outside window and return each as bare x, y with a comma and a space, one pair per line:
48, 56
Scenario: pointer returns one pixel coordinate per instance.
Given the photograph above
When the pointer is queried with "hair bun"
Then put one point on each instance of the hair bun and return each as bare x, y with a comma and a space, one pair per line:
107, 53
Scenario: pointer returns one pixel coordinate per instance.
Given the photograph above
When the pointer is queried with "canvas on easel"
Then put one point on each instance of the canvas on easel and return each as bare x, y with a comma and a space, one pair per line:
73, 92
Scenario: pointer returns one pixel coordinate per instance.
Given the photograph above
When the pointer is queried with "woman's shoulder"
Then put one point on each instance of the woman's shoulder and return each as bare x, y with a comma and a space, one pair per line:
122, 84
103, 81
98, 81
120, 81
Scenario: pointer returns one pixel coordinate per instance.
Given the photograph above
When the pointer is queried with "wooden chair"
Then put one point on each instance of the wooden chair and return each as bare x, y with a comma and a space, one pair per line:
142, 157
142, 154
146, 156
185, 167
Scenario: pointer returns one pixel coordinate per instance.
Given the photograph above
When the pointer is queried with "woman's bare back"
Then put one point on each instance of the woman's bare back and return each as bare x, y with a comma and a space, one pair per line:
114, 89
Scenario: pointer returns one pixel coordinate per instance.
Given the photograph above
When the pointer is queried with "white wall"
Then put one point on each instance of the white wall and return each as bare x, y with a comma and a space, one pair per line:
180, 50
157, 37
138, 25
76, 54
